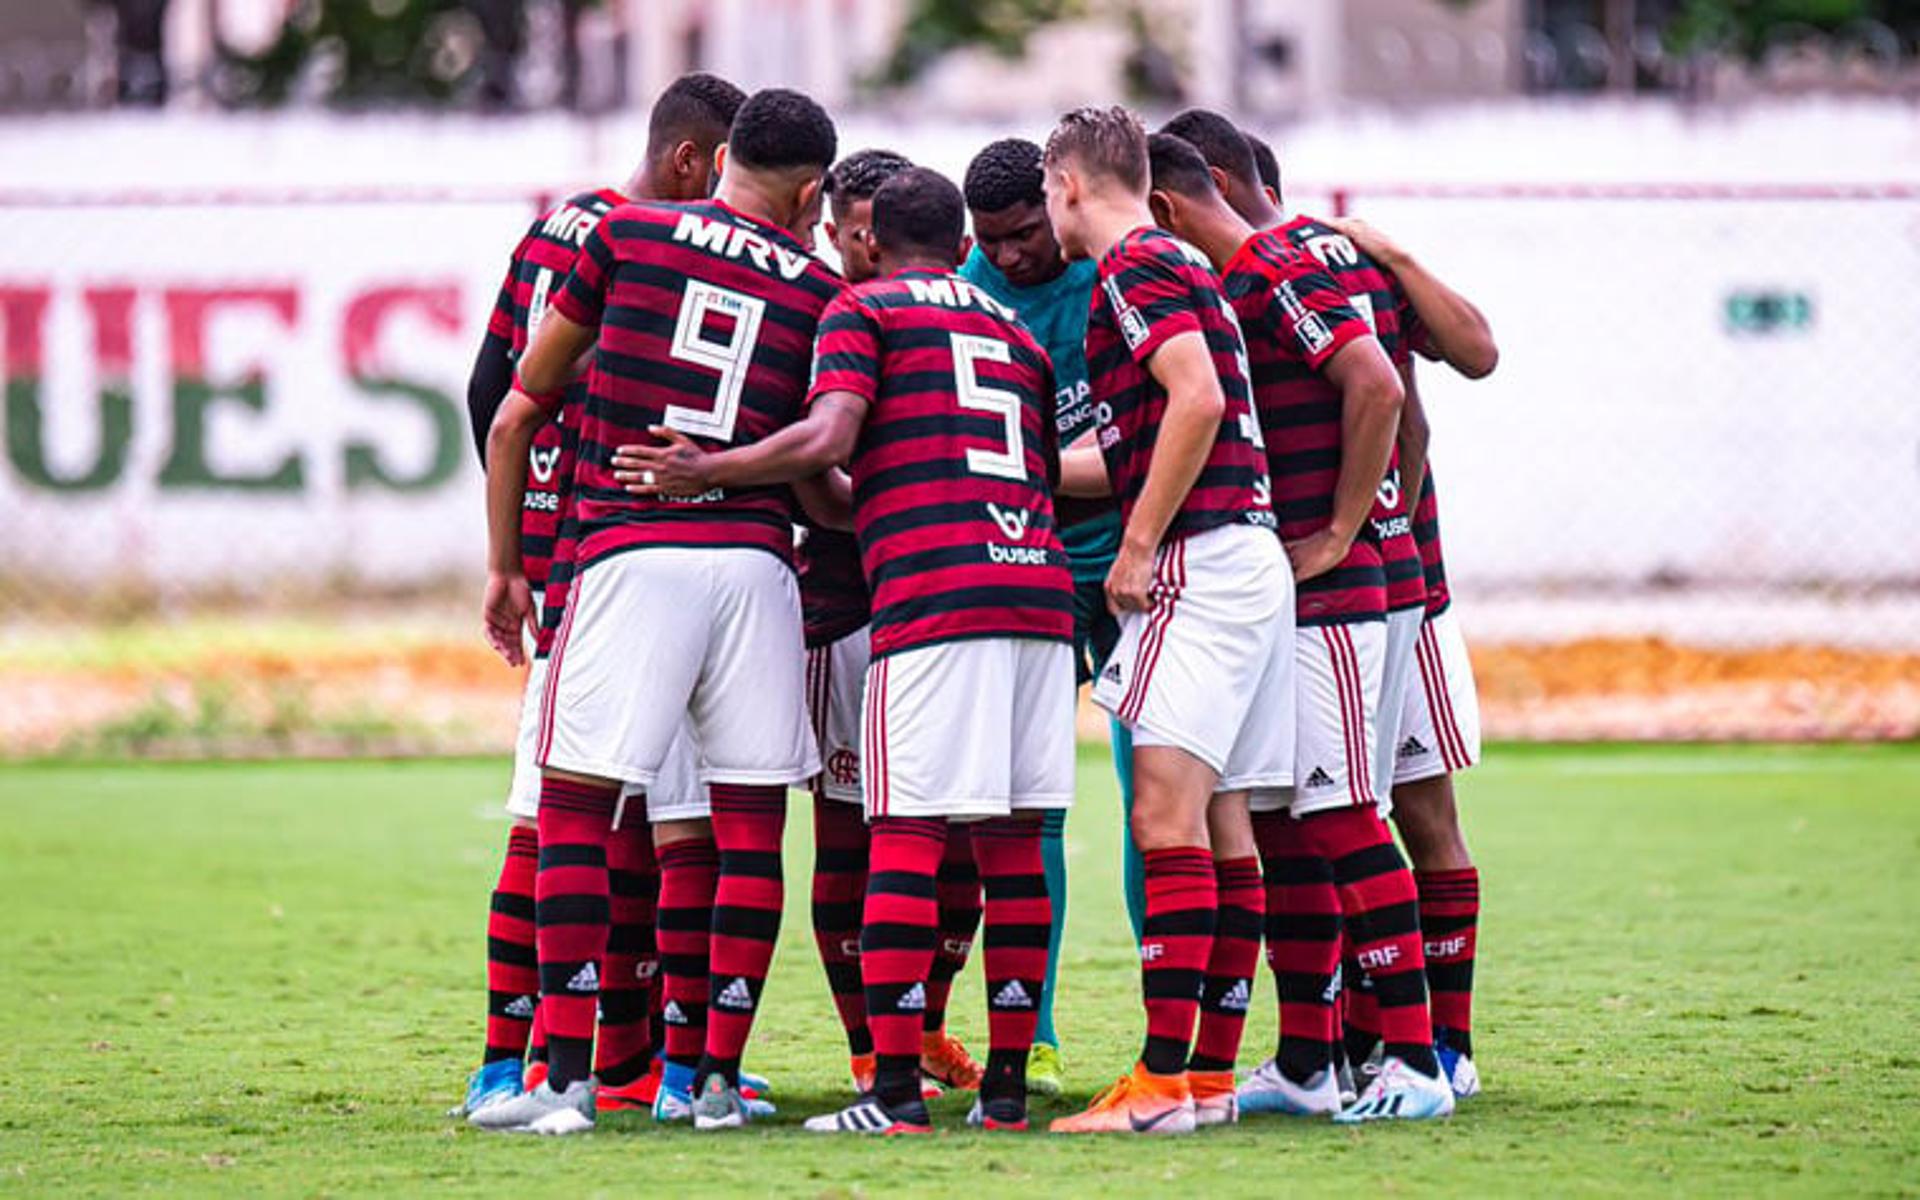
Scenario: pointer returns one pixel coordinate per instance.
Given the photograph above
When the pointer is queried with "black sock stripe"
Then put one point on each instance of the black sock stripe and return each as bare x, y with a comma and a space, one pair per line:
585, 909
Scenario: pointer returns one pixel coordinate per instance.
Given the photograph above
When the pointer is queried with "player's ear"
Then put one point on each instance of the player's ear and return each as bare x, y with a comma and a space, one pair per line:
686, 160
966, 248
1219, 179
1162, 206
719, 161
808, 193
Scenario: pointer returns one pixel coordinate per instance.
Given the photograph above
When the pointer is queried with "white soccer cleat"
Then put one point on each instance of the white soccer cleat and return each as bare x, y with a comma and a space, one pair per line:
1267, 1090
1459, 1071
542, 1110
1399, 1093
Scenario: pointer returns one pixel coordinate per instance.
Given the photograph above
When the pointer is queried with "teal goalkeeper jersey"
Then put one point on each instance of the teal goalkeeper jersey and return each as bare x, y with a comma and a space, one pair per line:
1056, 314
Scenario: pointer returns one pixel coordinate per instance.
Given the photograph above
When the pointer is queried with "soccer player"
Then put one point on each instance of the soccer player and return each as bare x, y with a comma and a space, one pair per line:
833, 596
942, 404
1268, 166
1017, 260
688, 121
1202, 674
1329, 397
685, 607
1439, 731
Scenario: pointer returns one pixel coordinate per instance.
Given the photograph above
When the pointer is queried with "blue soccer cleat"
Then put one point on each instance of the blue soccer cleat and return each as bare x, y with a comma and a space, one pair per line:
1267, 1090
490, 1084
1458, 1070
1399, 1093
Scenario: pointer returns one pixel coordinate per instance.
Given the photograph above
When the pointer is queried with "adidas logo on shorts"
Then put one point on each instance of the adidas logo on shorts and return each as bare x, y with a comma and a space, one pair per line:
736, 995
914, 999
672, 1013
586, 979
521, 1008
1319, 779
1239, 997
1412, 747
1112, 673
1012, 996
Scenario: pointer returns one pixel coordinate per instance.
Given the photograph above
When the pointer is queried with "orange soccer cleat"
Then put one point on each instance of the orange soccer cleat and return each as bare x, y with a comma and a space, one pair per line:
1139, 1102
1216, 1098
865, 1070
944, 1060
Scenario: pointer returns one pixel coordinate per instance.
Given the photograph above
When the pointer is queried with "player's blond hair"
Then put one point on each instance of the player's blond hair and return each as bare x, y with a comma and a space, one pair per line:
1102, 141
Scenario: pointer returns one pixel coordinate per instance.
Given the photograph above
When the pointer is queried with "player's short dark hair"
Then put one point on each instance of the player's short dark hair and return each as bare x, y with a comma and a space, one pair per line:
1218, 140
697, 108
859, 175
1265, 161
1006, 173
1177, 166
779, 128
919, 209
1107, 141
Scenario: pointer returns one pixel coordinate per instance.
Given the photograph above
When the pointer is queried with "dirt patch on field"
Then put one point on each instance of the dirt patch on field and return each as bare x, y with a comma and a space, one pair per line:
396, 690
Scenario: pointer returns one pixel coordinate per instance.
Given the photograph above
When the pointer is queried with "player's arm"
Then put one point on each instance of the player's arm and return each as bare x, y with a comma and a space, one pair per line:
1414, 434
1456, 329
1183, 366
492, 368
827, 499
822, 439
1371, 397
1083, 473
544, 374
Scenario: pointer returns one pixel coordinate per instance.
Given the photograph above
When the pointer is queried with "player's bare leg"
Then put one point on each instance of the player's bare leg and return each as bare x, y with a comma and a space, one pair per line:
1428, 819
1172, 789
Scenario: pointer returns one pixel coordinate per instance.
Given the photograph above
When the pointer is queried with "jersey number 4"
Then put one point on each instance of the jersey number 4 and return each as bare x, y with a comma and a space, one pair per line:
969, 351
730, 355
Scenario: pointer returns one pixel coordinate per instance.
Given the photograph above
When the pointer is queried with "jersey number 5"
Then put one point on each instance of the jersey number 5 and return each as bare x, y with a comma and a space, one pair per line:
730, 356
969, 351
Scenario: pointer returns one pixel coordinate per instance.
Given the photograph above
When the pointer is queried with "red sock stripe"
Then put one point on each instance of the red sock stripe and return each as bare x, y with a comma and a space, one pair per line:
749, 821
513, 977
1019, 917
1182, 902
688, 871
899, 929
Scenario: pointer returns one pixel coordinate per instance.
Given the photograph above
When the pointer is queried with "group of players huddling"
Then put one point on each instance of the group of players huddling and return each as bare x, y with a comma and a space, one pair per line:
868, 531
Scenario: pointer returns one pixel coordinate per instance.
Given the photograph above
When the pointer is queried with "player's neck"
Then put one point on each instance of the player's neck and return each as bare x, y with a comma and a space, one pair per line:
744, 195
890, 265
1218, 232
1109, 220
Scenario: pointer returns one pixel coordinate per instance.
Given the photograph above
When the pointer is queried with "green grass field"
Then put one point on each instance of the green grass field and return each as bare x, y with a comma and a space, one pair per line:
1700, 971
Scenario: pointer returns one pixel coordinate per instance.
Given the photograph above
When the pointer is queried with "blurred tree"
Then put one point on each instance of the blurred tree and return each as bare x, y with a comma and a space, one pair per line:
937, 27
1749, 27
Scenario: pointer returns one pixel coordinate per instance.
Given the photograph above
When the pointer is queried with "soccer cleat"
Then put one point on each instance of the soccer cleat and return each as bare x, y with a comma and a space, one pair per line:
535, 1076
1045, 1074
542, 1111
490, 1084
1214, 1100
1458, 1070
945, 1061
1138, 1102
1349, 1090
865, 1070
1399, 1093
870, 1117
1268, 1090
719, 1105
638, 1096
1003, 1114
755, 1086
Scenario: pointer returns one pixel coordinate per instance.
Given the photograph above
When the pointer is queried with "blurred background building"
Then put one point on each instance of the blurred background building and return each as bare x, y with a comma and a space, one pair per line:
248, 247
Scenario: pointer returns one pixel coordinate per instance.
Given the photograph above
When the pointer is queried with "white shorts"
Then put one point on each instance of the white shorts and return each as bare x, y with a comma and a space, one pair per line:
1403, 631
523, 794
1340, 670
1440, 725
836, 683
969, 729
1209, 669
664, 636
677, 793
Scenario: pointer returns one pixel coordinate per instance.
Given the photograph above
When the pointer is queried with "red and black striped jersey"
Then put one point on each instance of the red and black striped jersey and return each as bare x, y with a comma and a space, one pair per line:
954, 470
1152, 288
833, 586
1303, 292
1399, 554
706, 319
541, 263
1426, 532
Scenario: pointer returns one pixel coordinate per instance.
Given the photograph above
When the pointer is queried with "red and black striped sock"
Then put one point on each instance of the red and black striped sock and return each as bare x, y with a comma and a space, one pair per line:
537, 1041
1359, 1015
1019, 921
1303, 945
625, 1045
748, 822
513, 965
1175, 944
688, 870
899, 927
1450, 926
957, 890
570, 917
1227, 992
839, 890
1380, 909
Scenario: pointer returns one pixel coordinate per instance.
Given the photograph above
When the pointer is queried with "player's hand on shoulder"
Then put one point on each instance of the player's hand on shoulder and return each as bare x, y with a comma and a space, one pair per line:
506, 609
1130, 581
675, 467
1318, 553
1371, 241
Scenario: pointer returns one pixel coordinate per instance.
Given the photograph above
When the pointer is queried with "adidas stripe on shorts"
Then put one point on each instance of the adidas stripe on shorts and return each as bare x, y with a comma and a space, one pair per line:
1340, 669
1209, 668
1440, 723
